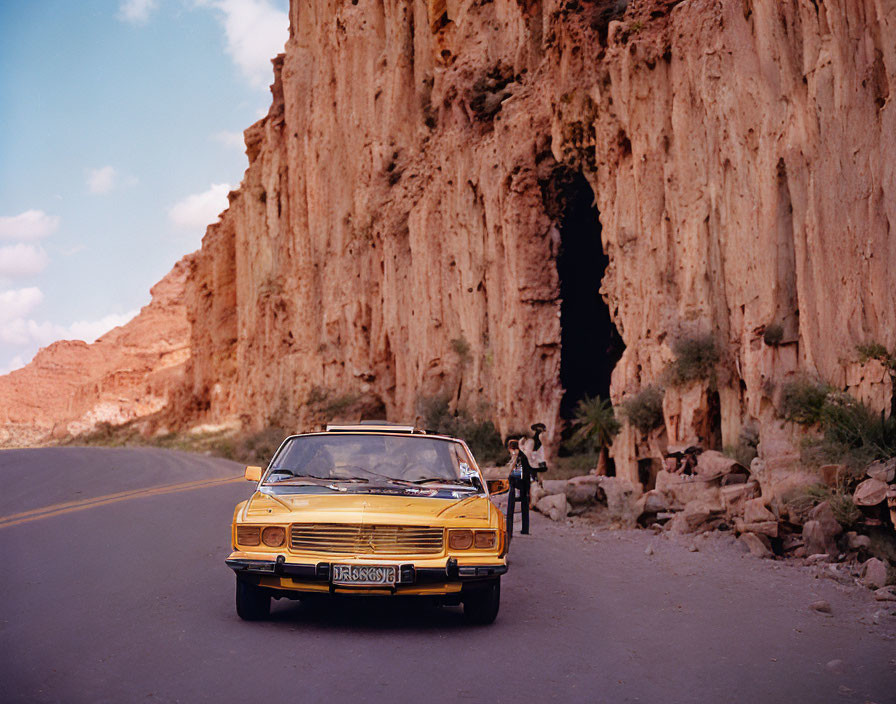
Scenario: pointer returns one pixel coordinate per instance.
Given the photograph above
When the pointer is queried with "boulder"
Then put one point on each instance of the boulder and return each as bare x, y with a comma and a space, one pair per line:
554, 486
735, 496
683, 489
870, 492
882, 470
857, 542
874, 573
582, 491
769, 528
695, 518
536, 493
756, 544
825, 515
818, 540
755, 511
885, 594
555, 506
712, 463
656, 501
622, 499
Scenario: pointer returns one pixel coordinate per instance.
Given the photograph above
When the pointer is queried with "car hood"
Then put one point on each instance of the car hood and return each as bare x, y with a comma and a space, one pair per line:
365, 508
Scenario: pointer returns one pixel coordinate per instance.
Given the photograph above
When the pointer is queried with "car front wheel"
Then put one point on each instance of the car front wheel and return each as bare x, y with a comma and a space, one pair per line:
481, 605
252, 602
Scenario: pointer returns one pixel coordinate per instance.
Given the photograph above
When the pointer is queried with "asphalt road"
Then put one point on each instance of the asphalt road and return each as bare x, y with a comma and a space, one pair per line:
128, 599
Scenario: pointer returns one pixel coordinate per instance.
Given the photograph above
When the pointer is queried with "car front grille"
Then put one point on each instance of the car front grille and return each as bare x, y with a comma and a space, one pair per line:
365, 539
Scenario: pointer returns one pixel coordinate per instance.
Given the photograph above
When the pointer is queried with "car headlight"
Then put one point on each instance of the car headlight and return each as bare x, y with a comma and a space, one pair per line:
273, 536
485, 539
248, 535
460, 539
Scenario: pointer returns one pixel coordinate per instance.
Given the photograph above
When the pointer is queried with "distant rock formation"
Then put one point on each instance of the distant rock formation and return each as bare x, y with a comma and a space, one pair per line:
71, 387
396, 233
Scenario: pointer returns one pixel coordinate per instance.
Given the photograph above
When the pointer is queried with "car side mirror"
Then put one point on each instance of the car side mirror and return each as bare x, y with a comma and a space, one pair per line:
498, 486
253, 474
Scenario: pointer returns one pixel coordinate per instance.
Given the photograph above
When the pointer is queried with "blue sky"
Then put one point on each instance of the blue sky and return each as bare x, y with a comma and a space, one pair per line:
120, 135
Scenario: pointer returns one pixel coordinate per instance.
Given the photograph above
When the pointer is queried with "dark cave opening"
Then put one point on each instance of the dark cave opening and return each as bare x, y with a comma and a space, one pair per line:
590, 344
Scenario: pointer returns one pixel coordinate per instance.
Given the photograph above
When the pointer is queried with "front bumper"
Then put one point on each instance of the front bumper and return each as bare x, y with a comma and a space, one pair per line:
423, 579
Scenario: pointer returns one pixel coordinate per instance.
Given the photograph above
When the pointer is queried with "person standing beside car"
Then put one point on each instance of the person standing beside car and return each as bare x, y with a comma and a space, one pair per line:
520, 477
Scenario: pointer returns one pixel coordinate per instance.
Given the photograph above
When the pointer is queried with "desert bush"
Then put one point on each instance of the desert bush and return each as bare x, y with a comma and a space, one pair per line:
875, 350
851, 433
840, 501
695, 358
773, 334
854, 434
644, 410
803, 400
595, 423
481, 436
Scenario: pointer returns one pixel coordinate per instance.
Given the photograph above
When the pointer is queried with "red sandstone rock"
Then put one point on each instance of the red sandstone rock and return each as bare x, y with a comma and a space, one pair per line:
129, 373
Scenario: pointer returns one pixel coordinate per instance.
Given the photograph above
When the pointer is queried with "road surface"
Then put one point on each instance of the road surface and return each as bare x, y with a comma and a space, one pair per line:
115, 590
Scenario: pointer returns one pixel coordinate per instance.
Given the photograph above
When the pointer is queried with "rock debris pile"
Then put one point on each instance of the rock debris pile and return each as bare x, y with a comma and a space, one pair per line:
702, 491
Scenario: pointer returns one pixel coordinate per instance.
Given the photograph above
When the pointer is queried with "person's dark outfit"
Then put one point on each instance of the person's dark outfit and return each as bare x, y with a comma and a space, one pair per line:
520, 478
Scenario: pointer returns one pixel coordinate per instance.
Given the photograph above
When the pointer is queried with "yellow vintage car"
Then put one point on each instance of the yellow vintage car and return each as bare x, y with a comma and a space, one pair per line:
370, 509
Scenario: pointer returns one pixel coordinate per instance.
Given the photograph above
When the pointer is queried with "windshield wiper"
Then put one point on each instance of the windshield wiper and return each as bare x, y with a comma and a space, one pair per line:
290, 475
436, 480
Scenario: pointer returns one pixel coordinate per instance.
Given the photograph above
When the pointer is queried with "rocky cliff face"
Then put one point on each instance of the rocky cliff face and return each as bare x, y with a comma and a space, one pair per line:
71, 387
397, 232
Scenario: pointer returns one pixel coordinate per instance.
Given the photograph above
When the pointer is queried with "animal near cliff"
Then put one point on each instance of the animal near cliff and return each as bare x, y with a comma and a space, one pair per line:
516, 203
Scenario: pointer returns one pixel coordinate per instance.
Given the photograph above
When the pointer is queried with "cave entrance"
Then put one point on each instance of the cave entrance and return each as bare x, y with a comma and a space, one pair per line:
590, 344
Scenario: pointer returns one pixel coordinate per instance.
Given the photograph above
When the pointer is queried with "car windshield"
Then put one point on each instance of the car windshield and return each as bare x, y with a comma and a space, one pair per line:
367, 458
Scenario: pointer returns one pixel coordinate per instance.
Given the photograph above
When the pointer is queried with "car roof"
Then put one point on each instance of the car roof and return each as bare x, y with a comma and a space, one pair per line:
377, 428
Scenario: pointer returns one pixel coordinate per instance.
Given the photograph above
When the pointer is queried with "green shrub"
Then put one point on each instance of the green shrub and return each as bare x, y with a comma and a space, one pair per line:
595, 424
644, 410
844, 509
481, 436
773, 334
850, 424
803, 400
695, 358
875, 350
841, 503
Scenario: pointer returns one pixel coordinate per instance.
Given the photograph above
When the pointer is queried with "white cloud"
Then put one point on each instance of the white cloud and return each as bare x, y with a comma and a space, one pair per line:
18, 329
102, 180
234, 140
17, 303
256, 32
91, 330
200, 209
30, 225
22, 260
16, 362
136, 11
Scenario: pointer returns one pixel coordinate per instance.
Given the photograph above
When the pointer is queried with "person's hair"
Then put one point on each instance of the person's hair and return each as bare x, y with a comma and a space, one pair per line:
513, 444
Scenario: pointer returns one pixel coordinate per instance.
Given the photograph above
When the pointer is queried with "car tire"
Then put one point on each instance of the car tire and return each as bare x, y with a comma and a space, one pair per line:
252, 603
481, 605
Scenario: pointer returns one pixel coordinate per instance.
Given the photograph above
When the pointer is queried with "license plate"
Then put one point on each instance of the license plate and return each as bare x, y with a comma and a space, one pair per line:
365, 575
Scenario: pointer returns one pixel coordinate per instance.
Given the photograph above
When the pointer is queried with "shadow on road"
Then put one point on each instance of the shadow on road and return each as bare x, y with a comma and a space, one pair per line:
370, 614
